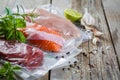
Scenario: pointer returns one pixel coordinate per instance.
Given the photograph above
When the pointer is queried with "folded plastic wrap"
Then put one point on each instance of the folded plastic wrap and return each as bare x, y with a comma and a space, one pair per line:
53, 60
43, 37
55, 31
63, 26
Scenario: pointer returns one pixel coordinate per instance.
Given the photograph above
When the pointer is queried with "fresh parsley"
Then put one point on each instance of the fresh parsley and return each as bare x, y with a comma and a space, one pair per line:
11, 21
7, 71
9, 24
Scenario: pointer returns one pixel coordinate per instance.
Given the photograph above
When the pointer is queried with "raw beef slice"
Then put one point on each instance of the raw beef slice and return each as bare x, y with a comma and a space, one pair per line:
20, 53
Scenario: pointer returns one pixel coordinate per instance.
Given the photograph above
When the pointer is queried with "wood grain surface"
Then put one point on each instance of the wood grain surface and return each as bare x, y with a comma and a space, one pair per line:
96, 62
103, 64
112, 12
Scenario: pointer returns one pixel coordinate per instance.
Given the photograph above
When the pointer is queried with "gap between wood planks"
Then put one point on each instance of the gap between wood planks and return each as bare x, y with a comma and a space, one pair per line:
49, 75
110, 34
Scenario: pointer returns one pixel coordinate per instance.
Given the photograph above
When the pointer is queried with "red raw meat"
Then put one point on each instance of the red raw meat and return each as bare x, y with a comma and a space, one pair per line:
22, 54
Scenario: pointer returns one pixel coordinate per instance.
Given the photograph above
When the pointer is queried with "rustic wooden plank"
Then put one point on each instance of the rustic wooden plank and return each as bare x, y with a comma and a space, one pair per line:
101, 66
61, 4
31, 4
3, 4
84, 72
100, 70
92, 69
79, 5
27, 4
100, 57
11, 3
95, 56
112, 70
84, 67
46, 77
59, 74
74, 74
76, 5
112, 58
112, 11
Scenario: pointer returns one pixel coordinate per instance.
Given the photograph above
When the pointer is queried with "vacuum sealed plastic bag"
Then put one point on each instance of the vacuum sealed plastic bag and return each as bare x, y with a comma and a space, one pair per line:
65, 27
21, 54
52, 41
54, 60
43, 37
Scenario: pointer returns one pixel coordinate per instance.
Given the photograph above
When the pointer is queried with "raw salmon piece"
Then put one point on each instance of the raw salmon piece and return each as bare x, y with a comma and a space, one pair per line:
43, 37
48, 45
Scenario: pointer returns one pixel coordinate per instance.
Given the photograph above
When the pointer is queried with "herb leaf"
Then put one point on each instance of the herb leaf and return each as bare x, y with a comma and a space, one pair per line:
9, 25
10, 34
20, 36
11, 21
7, 71
8, 11
20, 23
16, 68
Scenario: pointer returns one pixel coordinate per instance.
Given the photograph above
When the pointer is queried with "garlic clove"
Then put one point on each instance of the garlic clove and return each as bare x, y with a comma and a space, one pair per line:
87, 19
89, 28
97, 33
95, 40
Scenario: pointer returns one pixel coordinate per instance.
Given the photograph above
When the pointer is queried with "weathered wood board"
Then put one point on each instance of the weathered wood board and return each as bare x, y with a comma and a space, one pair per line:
112, 11
103, 63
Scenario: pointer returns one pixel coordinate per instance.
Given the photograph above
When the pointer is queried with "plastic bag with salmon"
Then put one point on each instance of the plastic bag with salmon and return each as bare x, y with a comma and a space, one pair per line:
57, 38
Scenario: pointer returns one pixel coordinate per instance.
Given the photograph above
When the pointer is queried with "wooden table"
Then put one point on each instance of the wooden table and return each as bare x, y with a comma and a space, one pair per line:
104, 64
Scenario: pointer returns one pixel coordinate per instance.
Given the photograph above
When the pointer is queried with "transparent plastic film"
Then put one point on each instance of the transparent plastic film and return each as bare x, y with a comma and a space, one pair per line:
51, 42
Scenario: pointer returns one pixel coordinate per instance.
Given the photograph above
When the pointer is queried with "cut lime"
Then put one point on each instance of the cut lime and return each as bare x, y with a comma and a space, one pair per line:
72, 15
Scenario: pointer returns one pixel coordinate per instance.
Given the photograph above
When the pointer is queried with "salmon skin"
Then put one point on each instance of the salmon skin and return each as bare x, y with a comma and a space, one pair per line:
43, 37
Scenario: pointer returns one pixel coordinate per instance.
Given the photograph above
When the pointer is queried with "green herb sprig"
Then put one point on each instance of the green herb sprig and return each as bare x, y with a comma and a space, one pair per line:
11, 22
7, 71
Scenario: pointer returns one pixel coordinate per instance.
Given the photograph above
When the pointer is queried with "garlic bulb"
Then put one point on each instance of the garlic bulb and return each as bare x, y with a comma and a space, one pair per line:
87, 19
95, 40
97, 33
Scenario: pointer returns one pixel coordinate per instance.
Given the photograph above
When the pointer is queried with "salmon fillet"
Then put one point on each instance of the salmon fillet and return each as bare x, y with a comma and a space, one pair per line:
43, 37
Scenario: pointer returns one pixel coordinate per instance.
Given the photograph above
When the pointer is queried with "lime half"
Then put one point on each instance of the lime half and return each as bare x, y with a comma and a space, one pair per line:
72, 14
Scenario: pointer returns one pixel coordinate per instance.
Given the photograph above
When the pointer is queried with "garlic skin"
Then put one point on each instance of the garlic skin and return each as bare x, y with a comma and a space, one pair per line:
97, 33
94, 30
95, 40
89, 28
87, 19
89, 22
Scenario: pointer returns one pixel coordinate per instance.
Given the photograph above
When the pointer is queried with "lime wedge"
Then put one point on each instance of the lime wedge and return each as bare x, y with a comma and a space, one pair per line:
72, 15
